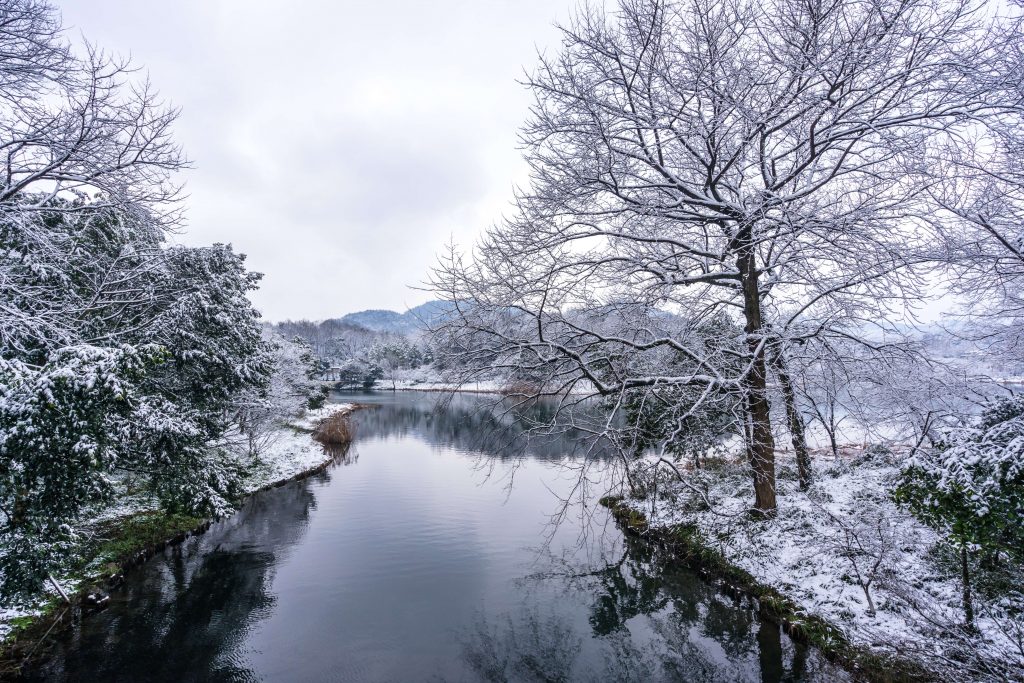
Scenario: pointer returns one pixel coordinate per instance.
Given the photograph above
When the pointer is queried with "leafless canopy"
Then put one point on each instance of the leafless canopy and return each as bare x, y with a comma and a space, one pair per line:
77, 125
698, 161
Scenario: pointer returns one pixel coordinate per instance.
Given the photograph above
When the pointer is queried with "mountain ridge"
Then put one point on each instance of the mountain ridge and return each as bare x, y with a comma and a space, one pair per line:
413, 320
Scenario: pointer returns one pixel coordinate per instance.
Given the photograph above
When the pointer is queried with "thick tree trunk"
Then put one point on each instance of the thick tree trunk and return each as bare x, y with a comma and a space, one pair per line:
794, 418
761, 444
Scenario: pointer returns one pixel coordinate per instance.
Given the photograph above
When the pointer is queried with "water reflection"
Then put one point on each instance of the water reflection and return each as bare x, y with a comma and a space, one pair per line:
478, 425
524, 646
650, 624
410, 566
192, 607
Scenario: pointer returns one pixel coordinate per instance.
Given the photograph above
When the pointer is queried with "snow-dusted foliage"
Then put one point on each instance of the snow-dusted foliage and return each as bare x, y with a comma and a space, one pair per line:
394, 355
117, 352
357, 356
845, 551
293, 388
58, 425
121, 356
970, 484
681, 421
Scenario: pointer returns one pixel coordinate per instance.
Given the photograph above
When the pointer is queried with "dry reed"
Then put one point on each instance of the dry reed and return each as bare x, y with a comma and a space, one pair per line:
335, 430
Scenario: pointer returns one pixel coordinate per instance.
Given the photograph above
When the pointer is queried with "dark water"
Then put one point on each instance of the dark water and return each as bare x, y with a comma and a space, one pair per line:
413, 560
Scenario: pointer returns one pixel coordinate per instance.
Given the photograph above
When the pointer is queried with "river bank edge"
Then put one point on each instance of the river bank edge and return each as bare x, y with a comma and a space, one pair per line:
682, 545
133, 539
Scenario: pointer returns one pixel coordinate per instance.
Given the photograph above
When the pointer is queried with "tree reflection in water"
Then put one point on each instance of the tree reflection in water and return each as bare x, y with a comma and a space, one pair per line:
529, 647
191, 608
405, 549
689, 631
474, 425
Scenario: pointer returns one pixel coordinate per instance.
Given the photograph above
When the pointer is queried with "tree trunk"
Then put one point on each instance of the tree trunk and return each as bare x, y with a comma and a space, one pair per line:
761, 445
965, 575
60, 590
867, 594
796, 421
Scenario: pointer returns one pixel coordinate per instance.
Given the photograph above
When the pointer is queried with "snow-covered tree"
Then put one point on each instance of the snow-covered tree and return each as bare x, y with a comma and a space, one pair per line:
119, 355
744, 158
294, 387
79, 122
977, 184
970, 486
117, 352
394, 355
358, 373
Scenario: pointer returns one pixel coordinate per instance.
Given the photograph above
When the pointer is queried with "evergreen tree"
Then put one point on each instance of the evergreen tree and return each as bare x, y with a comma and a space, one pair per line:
970, 486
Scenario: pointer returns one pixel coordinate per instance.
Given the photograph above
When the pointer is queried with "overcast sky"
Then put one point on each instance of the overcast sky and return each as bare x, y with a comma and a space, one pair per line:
339, 145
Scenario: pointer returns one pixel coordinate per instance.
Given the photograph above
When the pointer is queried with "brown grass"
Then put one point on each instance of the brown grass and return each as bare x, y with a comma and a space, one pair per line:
335, 430
521, 388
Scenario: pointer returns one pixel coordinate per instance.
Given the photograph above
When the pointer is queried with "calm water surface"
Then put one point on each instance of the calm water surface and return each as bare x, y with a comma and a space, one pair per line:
412, 559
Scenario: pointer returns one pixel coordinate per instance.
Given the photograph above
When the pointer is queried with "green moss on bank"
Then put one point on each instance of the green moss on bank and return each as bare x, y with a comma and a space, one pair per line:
141, 534
685, 545
117, 544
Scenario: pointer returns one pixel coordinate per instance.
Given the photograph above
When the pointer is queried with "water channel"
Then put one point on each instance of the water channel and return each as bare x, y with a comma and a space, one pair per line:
425, 553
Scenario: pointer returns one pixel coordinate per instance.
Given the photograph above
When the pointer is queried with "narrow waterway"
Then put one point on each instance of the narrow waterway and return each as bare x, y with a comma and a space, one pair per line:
426, 553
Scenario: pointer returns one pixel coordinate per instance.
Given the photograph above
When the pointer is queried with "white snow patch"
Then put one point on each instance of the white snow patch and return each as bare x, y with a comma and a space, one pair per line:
292, 450
804, 552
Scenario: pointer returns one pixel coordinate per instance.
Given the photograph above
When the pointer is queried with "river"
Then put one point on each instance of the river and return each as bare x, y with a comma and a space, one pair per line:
425, 553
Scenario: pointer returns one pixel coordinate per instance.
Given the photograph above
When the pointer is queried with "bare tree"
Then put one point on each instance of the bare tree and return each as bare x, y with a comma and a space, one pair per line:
868, 540
734, 158
78, 125
978, 185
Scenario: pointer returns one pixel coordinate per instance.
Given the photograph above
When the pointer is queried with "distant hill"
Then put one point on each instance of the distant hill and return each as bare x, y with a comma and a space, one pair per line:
412, 321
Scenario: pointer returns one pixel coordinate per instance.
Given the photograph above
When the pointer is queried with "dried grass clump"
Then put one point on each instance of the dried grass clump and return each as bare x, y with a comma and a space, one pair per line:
521, 388
335, 430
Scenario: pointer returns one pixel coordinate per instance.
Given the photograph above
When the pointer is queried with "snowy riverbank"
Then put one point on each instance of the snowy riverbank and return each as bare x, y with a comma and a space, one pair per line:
288, 453
292, 450
831, 548
418, 380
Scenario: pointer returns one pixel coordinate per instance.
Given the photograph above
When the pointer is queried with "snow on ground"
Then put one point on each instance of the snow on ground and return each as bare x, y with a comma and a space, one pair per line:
311, 418
808, 550
289, 451
292, 450
483, 386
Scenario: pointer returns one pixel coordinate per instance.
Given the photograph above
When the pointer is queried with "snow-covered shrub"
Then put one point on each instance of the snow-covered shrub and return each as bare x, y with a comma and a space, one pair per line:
56, 424
972, 483
970, 486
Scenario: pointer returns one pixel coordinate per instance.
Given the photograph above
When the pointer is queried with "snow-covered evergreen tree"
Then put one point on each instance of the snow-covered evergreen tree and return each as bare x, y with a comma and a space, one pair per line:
118, 353
970, 486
